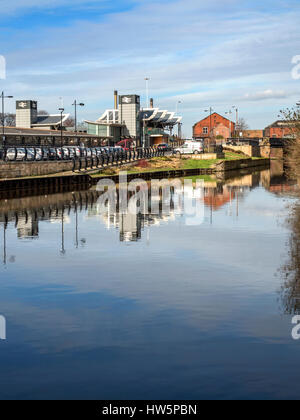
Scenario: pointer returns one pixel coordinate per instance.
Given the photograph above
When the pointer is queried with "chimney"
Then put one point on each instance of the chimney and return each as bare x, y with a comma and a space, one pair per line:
116, 99
151, 103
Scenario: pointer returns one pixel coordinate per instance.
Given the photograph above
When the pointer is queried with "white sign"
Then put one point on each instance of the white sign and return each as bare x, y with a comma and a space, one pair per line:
127, 100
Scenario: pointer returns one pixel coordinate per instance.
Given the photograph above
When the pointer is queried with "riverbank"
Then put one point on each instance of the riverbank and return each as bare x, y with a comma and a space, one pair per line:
156, 168
174, 166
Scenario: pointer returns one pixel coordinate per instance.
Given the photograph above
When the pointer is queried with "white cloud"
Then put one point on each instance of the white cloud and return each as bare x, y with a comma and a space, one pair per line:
266, 94
204, 53
18, 6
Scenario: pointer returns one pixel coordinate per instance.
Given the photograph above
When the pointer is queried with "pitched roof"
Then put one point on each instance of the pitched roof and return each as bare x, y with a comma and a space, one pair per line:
281, 123
211, 116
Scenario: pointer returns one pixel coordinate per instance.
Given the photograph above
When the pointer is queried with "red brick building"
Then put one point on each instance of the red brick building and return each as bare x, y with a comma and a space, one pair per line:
211, 125
279, 129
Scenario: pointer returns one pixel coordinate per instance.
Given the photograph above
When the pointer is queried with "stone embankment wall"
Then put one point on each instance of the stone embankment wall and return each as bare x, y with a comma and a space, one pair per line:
232, 165
251, 151
266, 151
206, 156
26, 169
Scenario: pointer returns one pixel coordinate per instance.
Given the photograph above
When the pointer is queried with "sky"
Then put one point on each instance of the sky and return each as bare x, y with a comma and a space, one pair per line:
202, 53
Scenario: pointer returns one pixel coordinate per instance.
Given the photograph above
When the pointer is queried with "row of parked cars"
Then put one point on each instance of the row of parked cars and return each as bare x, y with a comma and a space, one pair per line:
55, 153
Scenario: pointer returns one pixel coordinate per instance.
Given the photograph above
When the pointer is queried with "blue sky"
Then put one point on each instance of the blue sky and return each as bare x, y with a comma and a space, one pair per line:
202, 53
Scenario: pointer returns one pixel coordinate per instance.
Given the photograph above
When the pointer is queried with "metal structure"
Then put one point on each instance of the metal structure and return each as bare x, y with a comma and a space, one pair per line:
3, 97
76, 104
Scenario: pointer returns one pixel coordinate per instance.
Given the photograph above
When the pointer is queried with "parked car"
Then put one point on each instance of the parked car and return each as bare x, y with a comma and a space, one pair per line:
53, 154
77, 152
72, 152
83, 152
21, 153
192, 147
65, 153
38, 153
46, 155
30, 153
11, 154
126, 144
59, 153
164, 146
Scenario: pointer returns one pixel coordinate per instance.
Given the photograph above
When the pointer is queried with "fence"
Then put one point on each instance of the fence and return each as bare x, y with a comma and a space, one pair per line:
121, 157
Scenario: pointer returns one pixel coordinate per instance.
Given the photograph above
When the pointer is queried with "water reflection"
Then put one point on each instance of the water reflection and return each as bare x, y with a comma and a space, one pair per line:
145, 306
64, 208
290, 291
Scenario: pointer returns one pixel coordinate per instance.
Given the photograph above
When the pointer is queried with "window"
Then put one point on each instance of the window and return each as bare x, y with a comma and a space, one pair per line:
205, 130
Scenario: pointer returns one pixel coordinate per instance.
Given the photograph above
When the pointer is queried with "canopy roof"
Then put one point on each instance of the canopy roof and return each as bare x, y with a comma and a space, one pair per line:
158, 116
50, 120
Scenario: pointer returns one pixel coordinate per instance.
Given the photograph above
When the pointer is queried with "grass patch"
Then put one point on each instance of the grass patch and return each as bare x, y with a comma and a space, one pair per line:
171, 163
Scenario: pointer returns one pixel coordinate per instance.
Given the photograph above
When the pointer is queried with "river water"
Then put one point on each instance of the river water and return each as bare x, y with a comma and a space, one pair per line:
107, 306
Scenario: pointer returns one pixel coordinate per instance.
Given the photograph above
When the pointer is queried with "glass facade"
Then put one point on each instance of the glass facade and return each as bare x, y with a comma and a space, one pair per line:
97, 130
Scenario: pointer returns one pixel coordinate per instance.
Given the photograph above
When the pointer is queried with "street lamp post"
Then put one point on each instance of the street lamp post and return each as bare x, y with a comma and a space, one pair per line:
3, 97
76, 104
210, 110
147, 91
230, 122
177, 104
237, 118
61, 126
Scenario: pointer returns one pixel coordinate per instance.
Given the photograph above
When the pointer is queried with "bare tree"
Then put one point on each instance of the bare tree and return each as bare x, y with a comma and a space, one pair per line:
9, 120
70, 122
291, 118
42, 112
242, 125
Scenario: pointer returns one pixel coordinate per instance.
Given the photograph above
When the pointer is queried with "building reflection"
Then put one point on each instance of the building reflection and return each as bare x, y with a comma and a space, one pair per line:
25, 214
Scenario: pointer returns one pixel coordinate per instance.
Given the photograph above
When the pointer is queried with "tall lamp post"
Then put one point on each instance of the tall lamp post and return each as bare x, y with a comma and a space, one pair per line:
61, 126
147, 91
3, 97
177, 104
230, 122
176, 111
76, 104
237, 118
210, 110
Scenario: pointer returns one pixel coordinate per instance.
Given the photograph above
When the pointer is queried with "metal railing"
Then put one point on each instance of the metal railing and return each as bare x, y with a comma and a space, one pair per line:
83, 159
105, 160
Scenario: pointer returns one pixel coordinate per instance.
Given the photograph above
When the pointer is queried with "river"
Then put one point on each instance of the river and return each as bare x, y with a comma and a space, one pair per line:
153, 306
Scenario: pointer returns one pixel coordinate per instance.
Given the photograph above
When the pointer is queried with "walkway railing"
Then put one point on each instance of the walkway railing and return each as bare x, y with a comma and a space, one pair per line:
122, 157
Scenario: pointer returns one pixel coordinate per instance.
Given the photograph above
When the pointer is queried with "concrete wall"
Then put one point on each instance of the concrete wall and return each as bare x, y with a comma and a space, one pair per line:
26, 169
